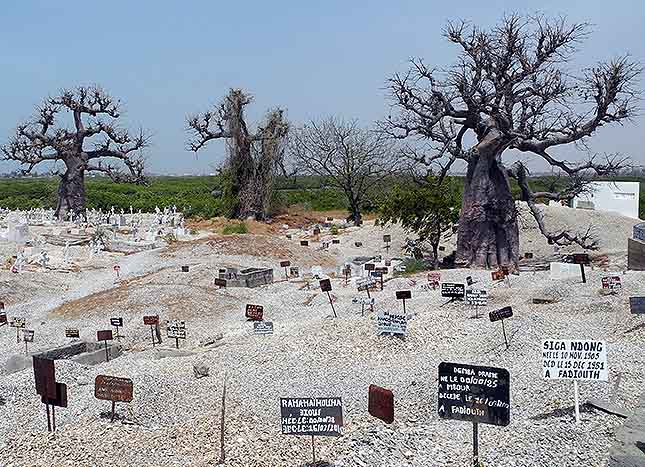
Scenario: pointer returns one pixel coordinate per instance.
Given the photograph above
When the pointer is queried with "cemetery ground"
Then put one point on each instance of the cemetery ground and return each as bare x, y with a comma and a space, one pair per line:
174, 417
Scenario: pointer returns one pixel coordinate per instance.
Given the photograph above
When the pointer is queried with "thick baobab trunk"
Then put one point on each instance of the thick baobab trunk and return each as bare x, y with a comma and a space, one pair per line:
488, 234
71, 190
355, 212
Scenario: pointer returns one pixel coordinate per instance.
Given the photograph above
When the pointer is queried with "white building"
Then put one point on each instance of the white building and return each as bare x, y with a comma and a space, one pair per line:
620, 197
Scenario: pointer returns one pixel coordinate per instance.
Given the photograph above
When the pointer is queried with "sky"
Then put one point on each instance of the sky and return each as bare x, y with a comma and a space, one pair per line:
166, 59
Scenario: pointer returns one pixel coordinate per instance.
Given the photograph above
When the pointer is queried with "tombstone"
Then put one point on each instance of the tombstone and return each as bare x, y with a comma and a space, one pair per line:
561, 271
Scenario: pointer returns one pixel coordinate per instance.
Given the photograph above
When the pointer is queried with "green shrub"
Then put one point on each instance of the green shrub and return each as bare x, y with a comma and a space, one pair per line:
235, 228
334, 229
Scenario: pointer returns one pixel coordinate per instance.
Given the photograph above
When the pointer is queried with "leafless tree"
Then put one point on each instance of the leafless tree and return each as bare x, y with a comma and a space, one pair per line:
46, 138
253, 159
353, 159
509, 93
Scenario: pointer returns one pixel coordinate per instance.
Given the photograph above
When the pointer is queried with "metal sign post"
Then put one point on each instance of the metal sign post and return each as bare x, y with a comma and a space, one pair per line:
501, 315
285, 265
105, 336
152, 321
581, 259
464, 388
403, 295
325, 286
117, 323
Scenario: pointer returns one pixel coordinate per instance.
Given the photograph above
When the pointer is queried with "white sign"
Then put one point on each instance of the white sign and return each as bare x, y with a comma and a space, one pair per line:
393, 323
476, 297
364, 301
559, 271
176, 329
16, 322
575, 360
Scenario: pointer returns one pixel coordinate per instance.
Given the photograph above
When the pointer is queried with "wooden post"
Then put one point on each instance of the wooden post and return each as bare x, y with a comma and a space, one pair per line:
286, 276
107, 355
582, 273
26, 349
53, 417
113, 410
177, 342
404, 306
17, 335
152, 334
577, 403
313, 450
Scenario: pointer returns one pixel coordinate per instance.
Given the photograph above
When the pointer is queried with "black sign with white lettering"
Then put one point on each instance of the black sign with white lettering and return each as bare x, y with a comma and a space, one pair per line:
403, 294
335, 241
637, 305
369, 266
72, 333
285, 264
469, 280
263, 328
502, 313
472, 393
325, 285
316, 416
387, 238
453, 290
304, 242
116, 322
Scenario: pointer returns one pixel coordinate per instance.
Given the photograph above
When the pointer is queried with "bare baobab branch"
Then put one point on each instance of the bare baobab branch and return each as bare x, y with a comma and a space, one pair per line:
45, 137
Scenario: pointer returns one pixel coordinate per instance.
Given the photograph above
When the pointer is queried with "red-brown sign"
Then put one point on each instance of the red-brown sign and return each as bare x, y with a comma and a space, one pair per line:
113, 388
104, 335
380, 403
254, 312
285, 264
3, 318
45, 377
151, 320
497, 275
219, 282
61, 396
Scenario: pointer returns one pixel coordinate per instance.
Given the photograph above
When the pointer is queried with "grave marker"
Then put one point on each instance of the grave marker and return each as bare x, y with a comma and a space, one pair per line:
219, 282
59, 400
387, 239
117, 270
637, 305
476, 394
176, 329
403, 295
501, 315
335, 241
612, 283
185, 268
254, 312
17, 323
117, 323
581, 259
113, 389
476, 298
391, 323
304, 242
45, 381
453, 290
380, 403
325, 286
285, 265
105, 336
469, 281
3, 319
358, 244
433, 279
72, 333
314, 416
152, 321
263, 328
575, 360
27, 336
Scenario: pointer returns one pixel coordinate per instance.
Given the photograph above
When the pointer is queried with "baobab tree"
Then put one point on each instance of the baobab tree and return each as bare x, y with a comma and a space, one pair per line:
253, 159
92, 143
510, 93
351, 158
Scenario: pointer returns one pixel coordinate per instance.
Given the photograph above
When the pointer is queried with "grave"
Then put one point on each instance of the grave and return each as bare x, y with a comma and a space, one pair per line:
86, 353
249, 277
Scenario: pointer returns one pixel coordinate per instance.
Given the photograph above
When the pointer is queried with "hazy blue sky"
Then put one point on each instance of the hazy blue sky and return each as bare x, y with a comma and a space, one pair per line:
165, 59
